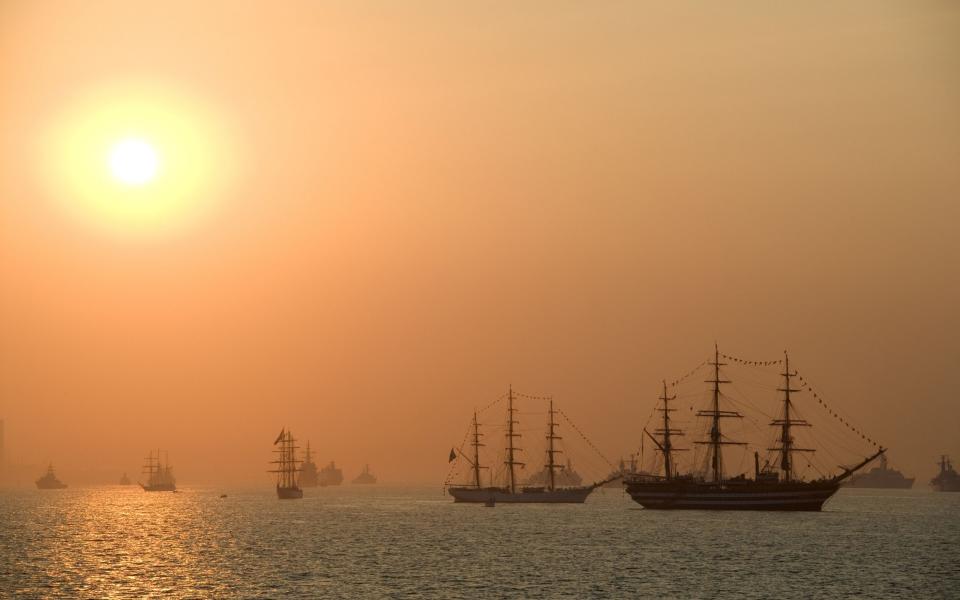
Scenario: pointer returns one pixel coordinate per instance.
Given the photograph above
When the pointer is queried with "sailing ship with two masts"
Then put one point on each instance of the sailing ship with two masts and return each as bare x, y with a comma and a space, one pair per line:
552, 491
287, 470
772, 488
159, 476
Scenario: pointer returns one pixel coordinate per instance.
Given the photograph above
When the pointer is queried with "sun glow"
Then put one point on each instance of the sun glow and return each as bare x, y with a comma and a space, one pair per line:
133, 162
137, 161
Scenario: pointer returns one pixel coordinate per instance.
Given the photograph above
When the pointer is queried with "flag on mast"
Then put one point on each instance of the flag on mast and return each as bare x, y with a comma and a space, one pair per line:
453, 455
279, 437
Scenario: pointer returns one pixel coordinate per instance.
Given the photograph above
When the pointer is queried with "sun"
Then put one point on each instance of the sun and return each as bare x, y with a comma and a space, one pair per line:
133, 161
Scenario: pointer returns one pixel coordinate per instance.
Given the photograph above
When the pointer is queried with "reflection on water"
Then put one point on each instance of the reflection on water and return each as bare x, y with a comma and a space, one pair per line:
119, 542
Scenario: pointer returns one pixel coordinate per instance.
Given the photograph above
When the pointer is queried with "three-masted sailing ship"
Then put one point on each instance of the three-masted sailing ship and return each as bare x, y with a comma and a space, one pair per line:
287, 470
159, 476
552, 491
772, 488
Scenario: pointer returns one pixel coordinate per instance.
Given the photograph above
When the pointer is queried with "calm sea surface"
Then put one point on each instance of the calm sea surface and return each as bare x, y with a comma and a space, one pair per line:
371, 542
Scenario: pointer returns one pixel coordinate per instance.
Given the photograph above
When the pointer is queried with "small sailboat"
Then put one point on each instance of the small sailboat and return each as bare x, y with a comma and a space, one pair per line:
159, 476
287, 470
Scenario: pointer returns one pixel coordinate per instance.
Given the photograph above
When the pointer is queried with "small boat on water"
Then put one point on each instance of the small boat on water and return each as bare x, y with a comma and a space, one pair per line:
287, 470
365, 477
553, 489
947, 480
159, 476
881, 477
778, 487
49, 481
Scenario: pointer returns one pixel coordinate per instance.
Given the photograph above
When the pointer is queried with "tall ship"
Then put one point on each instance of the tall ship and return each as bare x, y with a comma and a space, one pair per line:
947, 480
309, 477
159, 476
365, 477
124, 480
331, 475
49, 481
881, 476
552, 490
287, 469
776, 486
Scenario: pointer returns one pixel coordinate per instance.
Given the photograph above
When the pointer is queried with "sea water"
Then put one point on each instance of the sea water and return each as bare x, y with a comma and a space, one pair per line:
414, 542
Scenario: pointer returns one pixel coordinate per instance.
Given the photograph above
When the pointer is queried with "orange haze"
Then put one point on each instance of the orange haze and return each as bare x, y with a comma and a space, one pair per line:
433, 200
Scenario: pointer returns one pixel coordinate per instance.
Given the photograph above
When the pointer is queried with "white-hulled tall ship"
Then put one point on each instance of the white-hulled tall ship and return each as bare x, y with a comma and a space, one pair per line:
772, 488
159, 477
552, 491
287, 469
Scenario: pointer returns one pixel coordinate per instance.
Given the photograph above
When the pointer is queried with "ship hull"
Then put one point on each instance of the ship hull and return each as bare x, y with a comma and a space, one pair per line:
159, 487
947, 486
286, 493
665, 495
51, 486
484, 495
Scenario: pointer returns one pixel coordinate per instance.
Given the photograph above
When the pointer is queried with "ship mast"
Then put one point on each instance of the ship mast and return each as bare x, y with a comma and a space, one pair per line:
716, 441
511, 449
786, 447
551, 451
667, 444
476, 451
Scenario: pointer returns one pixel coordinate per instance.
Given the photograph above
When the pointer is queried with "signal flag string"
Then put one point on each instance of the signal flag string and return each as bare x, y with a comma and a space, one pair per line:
836, 415
585, 438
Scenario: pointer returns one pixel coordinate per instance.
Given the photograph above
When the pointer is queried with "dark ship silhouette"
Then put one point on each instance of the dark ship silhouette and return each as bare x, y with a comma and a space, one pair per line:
365, 477
308, 470
49, 481
947, 480
287, 469
881, 477
330, 475
770, 489
159, 477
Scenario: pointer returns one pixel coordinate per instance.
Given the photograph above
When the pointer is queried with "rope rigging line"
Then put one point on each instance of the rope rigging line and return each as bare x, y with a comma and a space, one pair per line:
688, 374
456, 461
585, 438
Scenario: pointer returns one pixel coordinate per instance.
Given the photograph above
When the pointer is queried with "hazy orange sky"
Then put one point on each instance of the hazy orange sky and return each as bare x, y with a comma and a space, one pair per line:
419, 203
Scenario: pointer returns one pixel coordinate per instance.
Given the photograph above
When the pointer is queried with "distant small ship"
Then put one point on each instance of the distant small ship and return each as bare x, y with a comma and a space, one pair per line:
287, 469
124, 480
564, 475
616, 477
308, 470
947, 480
330, 475
159, 477
49, 481
881, 477
366, 477
552, 490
